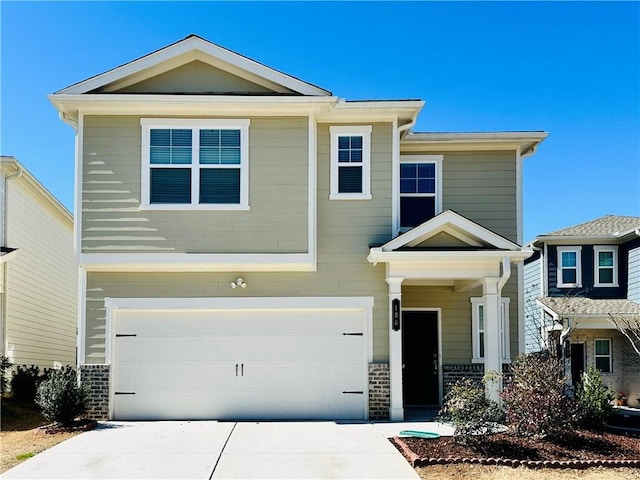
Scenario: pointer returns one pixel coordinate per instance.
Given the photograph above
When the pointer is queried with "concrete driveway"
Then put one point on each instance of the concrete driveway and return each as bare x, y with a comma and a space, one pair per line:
227, 450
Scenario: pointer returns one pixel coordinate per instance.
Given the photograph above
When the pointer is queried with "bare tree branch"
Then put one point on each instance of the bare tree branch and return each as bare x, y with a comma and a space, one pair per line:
629, 326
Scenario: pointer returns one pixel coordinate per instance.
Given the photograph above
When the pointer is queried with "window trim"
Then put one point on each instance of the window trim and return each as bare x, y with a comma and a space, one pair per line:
363, 131
610, 356
505, 338
147, 124
437, 160
596, 267
578, 283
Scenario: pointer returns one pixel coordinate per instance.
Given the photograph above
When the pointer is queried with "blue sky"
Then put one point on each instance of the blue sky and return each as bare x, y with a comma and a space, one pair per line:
572, 69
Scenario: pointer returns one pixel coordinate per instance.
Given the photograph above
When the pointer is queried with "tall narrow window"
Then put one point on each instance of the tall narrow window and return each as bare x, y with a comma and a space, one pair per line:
189, 164
419, 189
603, 354
478, 327
350, 163
606, 266
569, 267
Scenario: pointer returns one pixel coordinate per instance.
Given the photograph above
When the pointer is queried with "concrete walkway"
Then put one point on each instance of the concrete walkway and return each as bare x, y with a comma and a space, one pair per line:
227, 450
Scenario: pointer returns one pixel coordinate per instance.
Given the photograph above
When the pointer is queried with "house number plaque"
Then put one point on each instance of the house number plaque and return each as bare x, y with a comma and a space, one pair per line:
395, 314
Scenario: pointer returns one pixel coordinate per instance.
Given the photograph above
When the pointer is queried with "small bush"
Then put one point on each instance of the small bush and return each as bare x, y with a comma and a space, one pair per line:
536, 400
472, 414
61, 397
5, 366
593, 399
25, 381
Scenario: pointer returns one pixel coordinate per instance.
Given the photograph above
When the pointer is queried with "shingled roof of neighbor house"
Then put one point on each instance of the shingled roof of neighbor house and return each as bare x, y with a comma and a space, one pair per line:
567, 306
609, 225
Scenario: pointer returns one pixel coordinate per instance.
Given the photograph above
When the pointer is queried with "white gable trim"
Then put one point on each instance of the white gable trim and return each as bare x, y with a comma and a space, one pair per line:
454, 224
187, 50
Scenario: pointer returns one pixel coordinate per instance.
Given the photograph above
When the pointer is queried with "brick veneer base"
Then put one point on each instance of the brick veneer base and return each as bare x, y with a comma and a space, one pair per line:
97, 377
379, 391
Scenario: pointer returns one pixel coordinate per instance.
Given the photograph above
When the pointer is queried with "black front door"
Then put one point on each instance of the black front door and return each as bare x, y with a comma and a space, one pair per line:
577, 362
420, 385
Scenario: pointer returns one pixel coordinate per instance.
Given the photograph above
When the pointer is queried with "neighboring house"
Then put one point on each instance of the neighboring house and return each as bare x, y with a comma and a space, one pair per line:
39, 277
252, 246
576, 279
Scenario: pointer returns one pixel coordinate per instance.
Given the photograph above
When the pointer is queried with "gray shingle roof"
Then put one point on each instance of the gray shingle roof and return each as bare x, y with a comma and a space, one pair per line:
564, 306
600, 227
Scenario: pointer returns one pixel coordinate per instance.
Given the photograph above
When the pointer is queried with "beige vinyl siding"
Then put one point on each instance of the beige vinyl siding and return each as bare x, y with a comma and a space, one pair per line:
41, 284
196, 78
456, 317
112, 220
482, 187
346, 228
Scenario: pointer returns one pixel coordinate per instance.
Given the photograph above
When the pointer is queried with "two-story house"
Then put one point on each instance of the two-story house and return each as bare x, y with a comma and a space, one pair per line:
38, 272
578, 279
252, 246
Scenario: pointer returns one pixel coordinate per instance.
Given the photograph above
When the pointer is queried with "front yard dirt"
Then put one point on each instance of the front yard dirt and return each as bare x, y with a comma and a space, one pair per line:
24, 433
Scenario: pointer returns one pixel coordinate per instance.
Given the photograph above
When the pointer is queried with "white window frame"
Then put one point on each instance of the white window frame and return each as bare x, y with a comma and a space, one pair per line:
437, 160
477, 303
610, 356
195, 125
596, 267
578, 283
363, 131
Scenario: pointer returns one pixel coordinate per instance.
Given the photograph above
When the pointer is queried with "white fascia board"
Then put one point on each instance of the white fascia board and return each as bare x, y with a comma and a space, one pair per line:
195, 45
526, 141
197, 262
377, 255
253, 303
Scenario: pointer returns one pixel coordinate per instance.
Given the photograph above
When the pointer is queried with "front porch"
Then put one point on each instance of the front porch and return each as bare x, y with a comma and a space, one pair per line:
449, 315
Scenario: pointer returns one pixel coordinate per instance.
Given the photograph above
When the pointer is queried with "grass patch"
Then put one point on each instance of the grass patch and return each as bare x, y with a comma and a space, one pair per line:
24, 456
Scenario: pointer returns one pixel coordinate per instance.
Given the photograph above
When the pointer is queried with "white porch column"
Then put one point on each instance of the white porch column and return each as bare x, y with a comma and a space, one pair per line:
396, 412
491, 289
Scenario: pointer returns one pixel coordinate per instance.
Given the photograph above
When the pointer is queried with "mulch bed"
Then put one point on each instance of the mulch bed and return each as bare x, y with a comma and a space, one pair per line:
78, 425
578, 450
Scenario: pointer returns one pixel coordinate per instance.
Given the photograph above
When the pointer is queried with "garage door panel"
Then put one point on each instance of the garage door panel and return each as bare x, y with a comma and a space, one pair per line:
240, 364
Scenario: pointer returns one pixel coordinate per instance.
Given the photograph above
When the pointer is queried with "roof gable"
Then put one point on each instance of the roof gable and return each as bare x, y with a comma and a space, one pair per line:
449, 230
229, 71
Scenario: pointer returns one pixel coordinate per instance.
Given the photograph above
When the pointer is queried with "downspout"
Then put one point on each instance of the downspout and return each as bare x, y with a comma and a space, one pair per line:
3, 239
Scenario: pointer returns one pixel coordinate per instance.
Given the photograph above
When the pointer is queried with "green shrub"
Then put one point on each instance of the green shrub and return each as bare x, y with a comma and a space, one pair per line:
593, 399
61, 397
468, 409
25, 381
536, 400
5, 366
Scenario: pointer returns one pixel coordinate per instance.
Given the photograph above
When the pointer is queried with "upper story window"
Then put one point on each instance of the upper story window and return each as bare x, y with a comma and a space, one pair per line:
606, 266
569, 267
478, 329
350, 162
195, 164
420, 189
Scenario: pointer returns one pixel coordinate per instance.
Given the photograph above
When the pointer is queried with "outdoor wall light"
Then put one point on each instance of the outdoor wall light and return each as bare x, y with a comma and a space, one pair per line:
239, 282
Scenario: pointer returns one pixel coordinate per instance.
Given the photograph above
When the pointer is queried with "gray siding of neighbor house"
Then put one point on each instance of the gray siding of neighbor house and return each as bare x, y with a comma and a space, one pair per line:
634, 275
112, 220
482, 187
345, 231
532, 311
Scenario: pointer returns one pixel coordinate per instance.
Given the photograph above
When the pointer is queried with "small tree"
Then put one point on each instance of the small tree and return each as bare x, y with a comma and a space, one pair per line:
5, 366
470, 411
629, 326
593, 399
536, 399
61, 397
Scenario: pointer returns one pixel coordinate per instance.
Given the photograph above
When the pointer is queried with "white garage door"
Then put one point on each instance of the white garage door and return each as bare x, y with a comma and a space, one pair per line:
274, 363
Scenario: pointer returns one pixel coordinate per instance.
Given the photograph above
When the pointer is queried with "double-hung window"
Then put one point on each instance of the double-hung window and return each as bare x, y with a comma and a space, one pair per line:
606, 266
479, 321
603, 354
569, 267
420, 189
195, 164
350, 162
